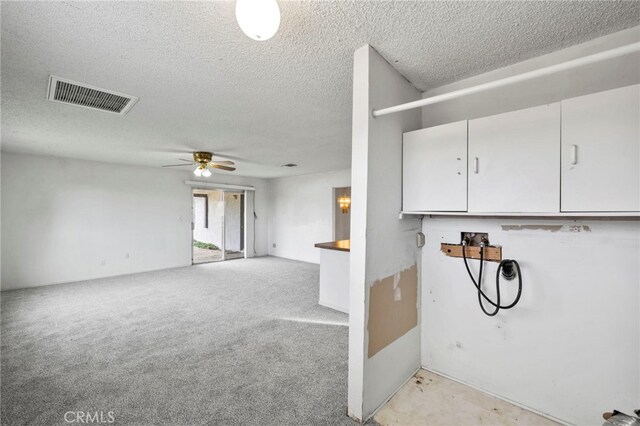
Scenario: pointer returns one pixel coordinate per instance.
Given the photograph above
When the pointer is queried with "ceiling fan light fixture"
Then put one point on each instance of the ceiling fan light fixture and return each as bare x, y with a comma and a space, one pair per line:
203, 162
258, 19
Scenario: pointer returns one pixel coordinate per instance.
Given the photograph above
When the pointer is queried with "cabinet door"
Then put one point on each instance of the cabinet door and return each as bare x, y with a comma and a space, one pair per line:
514, 162
434, 172
601, 151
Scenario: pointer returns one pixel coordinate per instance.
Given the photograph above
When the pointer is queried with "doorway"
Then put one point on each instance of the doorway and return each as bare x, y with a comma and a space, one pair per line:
342, 213
218, 225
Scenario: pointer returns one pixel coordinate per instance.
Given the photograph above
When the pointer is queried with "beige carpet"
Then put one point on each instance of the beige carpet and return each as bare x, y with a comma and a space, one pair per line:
232, 343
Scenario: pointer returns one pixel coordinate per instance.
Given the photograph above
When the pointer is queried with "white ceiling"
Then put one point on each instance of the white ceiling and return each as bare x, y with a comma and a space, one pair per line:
204, 85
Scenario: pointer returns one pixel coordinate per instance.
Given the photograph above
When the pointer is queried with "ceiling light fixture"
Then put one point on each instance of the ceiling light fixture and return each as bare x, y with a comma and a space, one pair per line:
258, 19
204, 160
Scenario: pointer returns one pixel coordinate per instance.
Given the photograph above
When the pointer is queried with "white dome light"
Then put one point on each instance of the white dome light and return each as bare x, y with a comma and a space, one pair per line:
198, 171
259, 19
206, 173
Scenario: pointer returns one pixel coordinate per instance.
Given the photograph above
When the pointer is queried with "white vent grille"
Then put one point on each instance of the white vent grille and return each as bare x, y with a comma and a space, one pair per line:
84, 95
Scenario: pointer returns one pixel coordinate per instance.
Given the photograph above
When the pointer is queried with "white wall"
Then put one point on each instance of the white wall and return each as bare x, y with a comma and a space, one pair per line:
570, 349
65, 220
381, 244
301, 213
62, 219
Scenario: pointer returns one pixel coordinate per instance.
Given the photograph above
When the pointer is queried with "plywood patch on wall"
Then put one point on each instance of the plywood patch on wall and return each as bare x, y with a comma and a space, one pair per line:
393, 309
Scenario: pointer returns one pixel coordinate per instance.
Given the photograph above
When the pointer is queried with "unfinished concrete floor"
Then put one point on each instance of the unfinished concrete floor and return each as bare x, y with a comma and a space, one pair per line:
430, 399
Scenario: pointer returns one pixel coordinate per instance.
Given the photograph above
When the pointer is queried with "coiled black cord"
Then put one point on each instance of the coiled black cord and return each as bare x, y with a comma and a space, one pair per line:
478, 284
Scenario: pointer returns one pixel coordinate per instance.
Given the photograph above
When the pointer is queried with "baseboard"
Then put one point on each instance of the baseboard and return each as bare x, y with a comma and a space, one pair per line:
517, 404
292, 258
370, 416
80, 280
334, 307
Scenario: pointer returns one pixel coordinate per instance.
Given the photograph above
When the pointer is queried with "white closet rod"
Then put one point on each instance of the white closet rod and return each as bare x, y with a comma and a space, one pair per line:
574, 63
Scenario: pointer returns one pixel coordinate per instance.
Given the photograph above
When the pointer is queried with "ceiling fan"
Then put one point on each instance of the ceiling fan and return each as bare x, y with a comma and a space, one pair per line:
204, 162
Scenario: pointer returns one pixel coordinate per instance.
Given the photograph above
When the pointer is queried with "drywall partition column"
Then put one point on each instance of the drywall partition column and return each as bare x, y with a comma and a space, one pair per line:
391, 246
384, 335
357, 267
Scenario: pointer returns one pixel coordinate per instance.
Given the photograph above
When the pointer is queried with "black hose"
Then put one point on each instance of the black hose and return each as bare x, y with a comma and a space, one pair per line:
497, 308
478, 284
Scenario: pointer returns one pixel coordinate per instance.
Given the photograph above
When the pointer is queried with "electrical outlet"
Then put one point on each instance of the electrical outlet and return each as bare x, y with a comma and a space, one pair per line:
104, 262
274, 245
475, 238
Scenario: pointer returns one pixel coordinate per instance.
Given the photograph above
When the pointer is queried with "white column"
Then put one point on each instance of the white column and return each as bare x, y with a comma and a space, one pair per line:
381, 244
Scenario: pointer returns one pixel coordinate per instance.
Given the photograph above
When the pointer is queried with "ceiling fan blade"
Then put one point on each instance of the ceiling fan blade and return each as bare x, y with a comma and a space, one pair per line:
188, 161
223, 162
218, 166
226, 156
176, 165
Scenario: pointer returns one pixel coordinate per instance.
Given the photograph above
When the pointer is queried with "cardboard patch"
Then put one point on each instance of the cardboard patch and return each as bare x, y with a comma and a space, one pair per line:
393, 309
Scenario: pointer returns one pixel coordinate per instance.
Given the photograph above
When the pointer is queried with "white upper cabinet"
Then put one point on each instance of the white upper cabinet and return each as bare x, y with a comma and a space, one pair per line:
578, 156
601, 152
514, 162
435, 168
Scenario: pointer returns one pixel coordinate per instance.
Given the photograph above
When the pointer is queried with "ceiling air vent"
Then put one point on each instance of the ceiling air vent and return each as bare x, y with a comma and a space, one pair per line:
84, 95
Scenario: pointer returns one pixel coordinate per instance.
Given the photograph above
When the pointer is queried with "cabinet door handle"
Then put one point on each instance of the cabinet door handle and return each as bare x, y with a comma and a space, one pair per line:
574, 155
476, 166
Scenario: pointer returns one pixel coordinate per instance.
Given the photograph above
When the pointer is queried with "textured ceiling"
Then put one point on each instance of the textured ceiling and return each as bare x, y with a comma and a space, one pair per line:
204, 85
